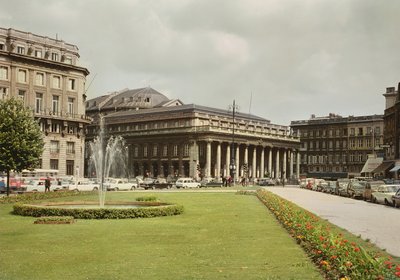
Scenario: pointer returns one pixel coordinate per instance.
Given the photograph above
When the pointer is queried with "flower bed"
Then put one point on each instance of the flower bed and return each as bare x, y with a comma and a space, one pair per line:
337, 257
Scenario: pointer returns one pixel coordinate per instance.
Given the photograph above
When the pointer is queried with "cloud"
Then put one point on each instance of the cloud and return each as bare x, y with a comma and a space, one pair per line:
290, 58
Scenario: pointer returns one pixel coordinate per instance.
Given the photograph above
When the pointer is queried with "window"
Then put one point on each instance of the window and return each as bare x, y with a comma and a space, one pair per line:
54, 147
55, 128
145, 151
20, 50
39, 79
360, 131
377, 130
136, 151
71, 84
53, 163
54, 56
175, 151
165, 150
70, 167
186, 150
55, 103
56, 82
71, 129
155, 150
71, 105
39, 102
2, 46
3, 73
70, 148
352, 143
352, 131
21, 94
22, 76
360, 143
3, 92
38, 53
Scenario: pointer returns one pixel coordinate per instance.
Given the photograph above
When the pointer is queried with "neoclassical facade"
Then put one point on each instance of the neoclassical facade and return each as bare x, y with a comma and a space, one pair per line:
174, 139
45, 74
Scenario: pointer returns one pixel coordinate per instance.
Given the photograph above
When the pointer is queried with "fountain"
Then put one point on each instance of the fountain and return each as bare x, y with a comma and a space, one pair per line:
106, 158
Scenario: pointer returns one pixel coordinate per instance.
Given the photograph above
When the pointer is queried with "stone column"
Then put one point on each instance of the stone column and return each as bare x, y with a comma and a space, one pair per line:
254, 169
277, 169
193, 159
180, 163
262, 163
298, 165
270, 161
218, 171
237, 175
284, 175
291, 154
228, 160
208, 160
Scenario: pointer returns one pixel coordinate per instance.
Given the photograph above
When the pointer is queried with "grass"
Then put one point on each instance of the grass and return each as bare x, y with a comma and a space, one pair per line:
219, 236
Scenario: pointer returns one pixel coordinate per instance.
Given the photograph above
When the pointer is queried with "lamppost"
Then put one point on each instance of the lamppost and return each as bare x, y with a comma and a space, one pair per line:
232, 166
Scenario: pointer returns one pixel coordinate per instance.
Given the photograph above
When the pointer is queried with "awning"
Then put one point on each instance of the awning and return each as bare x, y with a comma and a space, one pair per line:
394, 169
383, 167
371, 164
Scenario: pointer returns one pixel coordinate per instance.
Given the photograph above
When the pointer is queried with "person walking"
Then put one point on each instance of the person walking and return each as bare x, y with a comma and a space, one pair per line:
47, 184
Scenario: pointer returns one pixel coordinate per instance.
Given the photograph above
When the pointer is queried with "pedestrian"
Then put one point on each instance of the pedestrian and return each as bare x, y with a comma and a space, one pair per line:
224, 181
243, 181
47, 184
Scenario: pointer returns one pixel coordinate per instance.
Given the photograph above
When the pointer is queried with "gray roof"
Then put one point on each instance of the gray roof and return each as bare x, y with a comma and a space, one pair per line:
184, 108
128, 98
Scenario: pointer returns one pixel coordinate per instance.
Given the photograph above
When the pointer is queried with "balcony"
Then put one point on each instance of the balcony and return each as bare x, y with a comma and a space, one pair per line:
62, 116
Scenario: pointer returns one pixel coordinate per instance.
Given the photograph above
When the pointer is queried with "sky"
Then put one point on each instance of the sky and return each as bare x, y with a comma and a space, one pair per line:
282, 60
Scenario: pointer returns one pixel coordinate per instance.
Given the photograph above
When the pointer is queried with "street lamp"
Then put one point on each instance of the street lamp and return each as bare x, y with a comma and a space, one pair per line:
232, 166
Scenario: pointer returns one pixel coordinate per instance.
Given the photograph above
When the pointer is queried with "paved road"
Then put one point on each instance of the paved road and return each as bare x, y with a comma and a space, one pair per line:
379, 223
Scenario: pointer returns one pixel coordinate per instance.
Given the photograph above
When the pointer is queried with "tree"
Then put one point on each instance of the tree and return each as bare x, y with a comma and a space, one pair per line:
21, 141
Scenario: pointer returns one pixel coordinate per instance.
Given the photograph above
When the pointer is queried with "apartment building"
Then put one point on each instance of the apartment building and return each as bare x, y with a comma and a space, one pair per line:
334, 146
46, 75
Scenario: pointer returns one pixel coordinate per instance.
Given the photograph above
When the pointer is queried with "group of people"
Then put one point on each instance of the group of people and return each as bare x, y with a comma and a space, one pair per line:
227, 181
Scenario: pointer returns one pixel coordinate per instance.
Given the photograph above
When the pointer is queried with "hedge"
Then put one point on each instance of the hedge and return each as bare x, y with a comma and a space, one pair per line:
55, 220
148, 210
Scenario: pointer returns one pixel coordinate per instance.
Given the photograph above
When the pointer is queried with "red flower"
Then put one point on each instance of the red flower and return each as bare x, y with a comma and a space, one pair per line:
356, 249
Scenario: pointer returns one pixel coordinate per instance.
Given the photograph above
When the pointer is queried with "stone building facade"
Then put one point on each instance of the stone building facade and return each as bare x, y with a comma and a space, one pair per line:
170, 138
335, 146
45, 74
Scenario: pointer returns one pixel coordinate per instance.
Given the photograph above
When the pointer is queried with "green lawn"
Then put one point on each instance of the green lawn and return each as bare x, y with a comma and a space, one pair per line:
219, 236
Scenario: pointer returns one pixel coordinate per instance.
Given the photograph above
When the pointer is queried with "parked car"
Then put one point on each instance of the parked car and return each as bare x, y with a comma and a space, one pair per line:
84, 185
160, 183
396, 199
329, 187
186, 183
370, 188
341, 186
266, 182
120, 185
319, 185
384, 194
210, 182
3, 188
34, 186
355, 189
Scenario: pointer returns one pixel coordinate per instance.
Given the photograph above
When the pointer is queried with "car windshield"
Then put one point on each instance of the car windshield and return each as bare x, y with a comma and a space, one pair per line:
392, 188
358, 185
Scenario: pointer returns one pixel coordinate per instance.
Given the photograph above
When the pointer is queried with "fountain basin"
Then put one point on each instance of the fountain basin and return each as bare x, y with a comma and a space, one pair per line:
92, 210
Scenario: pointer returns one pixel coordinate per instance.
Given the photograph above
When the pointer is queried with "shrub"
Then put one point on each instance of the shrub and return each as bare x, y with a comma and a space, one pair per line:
55, 220
150, 209
337, 257
146, 198
246, 192
28, 197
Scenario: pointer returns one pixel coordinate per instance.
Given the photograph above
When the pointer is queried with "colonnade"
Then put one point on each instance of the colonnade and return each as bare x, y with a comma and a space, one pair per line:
252, 161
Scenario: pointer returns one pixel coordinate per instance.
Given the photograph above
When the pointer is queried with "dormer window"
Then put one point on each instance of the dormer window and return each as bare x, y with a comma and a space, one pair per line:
147, 99
20, 50
2, 46
38, 53
54, 56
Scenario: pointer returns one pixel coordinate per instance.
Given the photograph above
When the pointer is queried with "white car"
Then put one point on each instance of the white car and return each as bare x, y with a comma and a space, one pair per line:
120, 185
186, 183
35, 186
384, 194
84, 185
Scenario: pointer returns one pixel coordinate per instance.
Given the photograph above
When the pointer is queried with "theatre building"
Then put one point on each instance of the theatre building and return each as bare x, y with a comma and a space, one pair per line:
168, 138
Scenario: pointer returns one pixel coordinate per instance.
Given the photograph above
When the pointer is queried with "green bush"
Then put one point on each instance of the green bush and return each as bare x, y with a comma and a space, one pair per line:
55, 220
149, 210
28, 197
146, 198
246, 192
